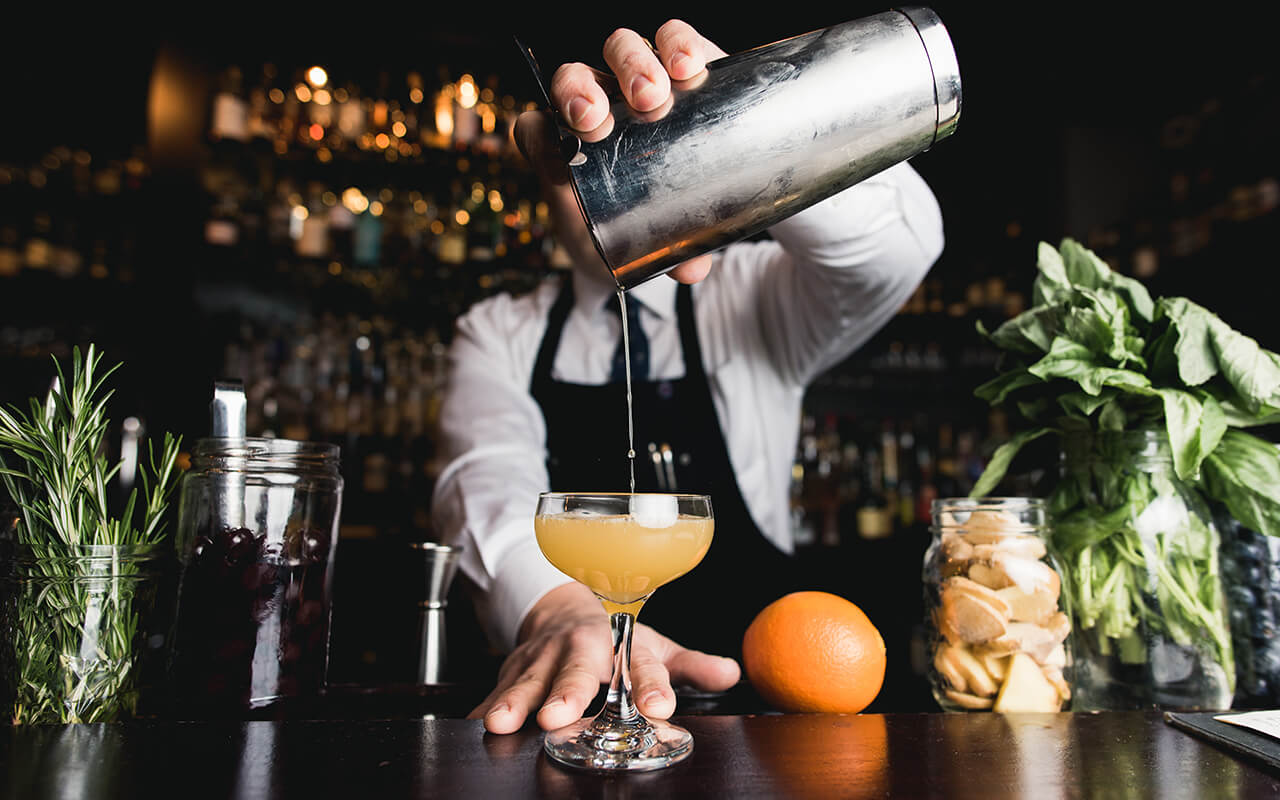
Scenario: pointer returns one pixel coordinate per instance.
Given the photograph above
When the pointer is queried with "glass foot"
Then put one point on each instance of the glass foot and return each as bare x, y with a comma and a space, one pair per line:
632, 746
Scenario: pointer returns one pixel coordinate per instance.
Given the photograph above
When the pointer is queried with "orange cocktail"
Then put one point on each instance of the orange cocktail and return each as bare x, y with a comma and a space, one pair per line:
622, 546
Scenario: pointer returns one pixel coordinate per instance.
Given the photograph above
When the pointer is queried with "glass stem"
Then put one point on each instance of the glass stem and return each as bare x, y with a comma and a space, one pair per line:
618, 707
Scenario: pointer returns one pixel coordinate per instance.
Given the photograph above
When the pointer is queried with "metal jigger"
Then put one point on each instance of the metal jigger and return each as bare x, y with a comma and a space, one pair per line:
441, 562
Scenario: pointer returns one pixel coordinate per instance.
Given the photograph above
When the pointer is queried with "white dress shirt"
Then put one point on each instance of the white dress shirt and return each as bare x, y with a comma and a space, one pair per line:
771, 316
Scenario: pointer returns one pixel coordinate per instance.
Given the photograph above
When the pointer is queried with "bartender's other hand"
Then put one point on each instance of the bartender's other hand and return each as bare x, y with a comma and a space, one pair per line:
581, 94
642, 73
566, 654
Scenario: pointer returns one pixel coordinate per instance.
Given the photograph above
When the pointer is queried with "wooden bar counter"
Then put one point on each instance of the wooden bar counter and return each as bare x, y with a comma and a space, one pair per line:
412, 755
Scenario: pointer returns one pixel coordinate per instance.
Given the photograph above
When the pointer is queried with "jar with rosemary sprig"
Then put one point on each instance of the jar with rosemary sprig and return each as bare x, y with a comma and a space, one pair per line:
81, 579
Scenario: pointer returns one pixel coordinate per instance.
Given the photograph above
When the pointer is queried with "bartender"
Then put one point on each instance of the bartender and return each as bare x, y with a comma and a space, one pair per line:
721, 357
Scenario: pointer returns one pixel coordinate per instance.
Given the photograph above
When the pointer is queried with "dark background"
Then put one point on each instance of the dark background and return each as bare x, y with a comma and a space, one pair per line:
1075, 118
1064, 110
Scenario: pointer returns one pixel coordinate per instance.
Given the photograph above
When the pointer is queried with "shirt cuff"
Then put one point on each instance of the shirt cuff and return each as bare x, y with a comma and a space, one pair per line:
521, 579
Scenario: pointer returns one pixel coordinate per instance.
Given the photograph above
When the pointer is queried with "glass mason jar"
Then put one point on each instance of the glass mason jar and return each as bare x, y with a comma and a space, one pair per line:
257, 534
76, 622
995, 614
1140, 556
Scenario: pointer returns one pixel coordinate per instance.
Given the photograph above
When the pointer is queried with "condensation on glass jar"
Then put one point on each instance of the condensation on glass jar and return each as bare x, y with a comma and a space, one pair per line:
257, 533
994, 609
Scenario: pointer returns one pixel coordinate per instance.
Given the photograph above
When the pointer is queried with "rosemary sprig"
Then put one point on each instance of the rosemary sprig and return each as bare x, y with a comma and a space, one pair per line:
73, 571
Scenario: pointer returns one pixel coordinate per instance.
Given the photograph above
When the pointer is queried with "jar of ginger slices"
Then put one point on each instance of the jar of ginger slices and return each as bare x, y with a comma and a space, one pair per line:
996, 616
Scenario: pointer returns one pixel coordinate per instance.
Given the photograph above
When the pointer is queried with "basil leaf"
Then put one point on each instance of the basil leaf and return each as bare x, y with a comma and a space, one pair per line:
1087, 526
1065, 359
1084, 268
1072, 361
1253, 372
1001, 458
1091, 329
1197, 362
997, 390
1194, 429
1039, 408
1100, 321
1051, 286
1032, 331
1242, 473
1237, 417
1083, 403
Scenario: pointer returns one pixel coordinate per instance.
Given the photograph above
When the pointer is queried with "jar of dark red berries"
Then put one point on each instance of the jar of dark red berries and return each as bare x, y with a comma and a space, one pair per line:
257, 533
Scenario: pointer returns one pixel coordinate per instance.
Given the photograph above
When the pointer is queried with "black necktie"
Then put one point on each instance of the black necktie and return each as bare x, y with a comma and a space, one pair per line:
639, 344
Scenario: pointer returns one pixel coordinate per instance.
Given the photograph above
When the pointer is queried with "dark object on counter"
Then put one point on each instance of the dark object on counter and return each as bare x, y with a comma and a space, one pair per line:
1255, 746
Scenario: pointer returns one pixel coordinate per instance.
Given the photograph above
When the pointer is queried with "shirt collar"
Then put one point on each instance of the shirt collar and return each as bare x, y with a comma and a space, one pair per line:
590, 294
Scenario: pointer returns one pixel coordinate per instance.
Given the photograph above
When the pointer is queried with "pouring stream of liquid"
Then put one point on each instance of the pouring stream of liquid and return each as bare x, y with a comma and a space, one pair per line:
626, 357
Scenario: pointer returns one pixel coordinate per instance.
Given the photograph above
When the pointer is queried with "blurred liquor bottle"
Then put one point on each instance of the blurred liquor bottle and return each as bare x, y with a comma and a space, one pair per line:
875, 512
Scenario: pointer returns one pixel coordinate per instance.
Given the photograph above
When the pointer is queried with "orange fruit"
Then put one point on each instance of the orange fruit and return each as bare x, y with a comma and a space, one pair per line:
814, 651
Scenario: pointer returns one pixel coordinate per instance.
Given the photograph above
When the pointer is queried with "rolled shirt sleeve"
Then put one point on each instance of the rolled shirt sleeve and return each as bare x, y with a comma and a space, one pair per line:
851, 262
492, 436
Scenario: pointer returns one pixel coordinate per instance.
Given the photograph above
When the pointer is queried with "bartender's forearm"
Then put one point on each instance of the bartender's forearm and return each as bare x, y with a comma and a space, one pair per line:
845, 267
489, 514
873, 221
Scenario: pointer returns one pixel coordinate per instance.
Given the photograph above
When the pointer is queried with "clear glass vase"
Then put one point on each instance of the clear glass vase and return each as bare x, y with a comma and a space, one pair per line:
76, 620
1140, 560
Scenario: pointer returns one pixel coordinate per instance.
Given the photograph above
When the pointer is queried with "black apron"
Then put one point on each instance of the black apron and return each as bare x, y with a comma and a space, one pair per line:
710, 607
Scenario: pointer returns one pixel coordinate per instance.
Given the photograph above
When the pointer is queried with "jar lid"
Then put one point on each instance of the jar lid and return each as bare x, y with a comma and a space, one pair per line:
261, 453
1007, 514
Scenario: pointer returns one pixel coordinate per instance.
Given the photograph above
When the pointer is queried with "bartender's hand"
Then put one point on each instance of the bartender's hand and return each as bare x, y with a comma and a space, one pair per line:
566, 653
643, 74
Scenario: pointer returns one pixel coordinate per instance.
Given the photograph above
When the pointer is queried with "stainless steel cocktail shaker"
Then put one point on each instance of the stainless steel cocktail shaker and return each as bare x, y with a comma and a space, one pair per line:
763, 134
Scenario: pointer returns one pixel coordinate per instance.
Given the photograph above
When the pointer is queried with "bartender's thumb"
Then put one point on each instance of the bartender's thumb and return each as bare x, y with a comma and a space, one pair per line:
538, 140
660, 664
693, 270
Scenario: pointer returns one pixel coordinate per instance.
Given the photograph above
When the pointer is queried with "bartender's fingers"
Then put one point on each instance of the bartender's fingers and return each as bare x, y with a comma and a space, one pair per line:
509, 705
535, 135
576, 90
651, 684
658, 663
641, 76
693, 270
585, 666
684, 51
523, 681
702, 670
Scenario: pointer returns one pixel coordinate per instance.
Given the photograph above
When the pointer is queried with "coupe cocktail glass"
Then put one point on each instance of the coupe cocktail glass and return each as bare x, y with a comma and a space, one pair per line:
622, 546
